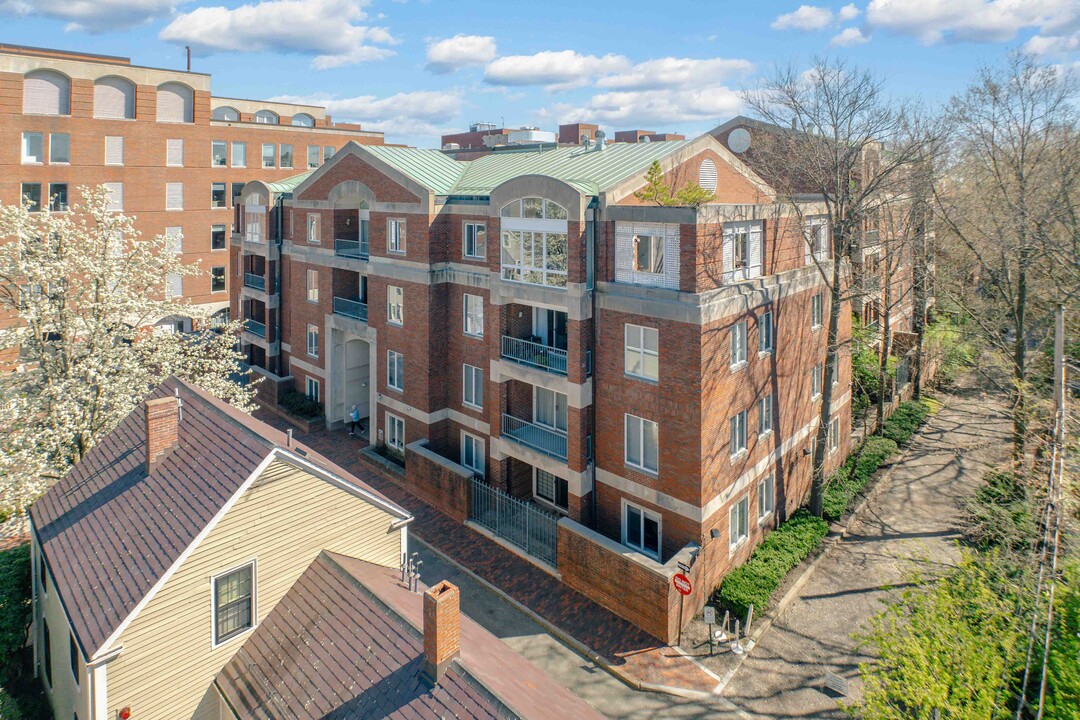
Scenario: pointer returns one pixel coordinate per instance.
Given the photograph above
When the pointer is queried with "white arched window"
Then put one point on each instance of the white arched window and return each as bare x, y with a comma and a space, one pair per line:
46, 92
175, 103
303, 120
226, 113
534, 242
266, 117
707, 175
114, 98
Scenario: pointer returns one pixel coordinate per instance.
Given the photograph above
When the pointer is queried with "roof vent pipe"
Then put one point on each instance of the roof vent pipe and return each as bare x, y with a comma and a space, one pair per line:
600, 136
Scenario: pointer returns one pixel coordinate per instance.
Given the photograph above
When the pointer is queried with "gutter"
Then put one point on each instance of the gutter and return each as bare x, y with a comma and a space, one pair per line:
278, 242
594, 227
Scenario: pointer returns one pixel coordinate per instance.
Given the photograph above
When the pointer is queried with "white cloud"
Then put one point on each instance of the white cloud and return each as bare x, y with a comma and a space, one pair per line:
849, 37
657, 108
848, 12
422, 112
807, 17
460, 51
675, 72
93, 16
558, 70
1053, 45
932, 21
327, 29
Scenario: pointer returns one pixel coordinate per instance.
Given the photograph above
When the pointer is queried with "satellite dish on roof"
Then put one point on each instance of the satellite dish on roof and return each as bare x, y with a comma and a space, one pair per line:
739, 140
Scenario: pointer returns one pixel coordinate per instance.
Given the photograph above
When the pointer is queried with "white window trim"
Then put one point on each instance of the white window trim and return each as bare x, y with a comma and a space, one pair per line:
817, 381
834, 437
741, 362
769, 430
307, 340
309, 289
659, 529
22, 148
254, 563
641, 438
467, 369
640, 349
465, 315
762, 352
386, 422
391, 364
308, 382
477, 440
815, 322
745, 435
400, 250
465, 240
390, 320
770, 477
314, 222
742, 540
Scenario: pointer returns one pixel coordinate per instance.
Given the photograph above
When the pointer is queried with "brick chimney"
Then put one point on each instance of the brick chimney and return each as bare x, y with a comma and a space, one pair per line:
162, 416
442, 629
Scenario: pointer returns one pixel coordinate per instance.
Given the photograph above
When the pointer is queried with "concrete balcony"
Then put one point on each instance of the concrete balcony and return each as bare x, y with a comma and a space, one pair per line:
526, 352
351, 308
255, 327
357, 249
255, 282
543, 439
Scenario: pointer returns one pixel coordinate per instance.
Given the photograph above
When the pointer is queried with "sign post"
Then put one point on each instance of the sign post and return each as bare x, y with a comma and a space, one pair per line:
684, 588
710, 619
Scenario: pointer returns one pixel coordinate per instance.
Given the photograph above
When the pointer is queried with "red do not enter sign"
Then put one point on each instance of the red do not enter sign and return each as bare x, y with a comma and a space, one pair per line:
682, 584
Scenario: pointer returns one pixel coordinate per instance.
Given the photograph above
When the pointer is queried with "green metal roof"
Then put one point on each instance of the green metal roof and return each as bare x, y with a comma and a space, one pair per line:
288, 184
587, 170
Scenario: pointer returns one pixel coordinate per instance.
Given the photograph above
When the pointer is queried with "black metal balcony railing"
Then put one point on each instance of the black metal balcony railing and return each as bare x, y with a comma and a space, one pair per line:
538, 437
350, 307
351, 248
534, 354
255, 282
255, 327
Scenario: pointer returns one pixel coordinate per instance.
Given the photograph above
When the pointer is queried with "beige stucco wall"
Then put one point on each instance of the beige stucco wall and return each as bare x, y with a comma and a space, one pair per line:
282, 522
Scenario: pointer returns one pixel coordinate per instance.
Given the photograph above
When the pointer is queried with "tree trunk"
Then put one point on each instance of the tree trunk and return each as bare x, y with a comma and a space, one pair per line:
886, 336
1019, 361
817, 484
919, 289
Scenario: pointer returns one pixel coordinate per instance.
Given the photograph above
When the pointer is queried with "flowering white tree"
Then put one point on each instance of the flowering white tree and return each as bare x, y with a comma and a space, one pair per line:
81, 291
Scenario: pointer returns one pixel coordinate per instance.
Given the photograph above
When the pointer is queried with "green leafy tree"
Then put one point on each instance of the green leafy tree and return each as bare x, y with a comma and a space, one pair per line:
658, 191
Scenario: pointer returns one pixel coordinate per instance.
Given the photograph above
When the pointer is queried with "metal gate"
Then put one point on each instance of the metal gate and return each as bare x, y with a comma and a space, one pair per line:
517, 521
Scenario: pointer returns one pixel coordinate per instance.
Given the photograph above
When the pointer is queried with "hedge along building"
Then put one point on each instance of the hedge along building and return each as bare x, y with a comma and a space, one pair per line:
651, 374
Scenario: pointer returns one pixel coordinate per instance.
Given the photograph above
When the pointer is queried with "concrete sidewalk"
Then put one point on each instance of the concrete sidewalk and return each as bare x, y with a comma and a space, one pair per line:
910, 526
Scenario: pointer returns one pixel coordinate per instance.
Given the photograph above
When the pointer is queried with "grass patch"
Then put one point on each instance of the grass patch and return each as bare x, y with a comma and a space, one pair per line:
754, 582
852, 477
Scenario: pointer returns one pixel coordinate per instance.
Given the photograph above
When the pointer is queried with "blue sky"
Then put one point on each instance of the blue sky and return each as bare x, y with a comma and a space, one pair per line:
417, 68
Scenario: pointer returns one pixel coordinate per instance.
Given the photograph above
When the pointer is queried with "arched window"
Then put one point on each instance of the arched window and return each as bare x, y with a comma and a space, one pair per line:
175, 103
707, 175
534, 242
534, 208
303, 120
46, 92
266, 117
114, 98
226, 113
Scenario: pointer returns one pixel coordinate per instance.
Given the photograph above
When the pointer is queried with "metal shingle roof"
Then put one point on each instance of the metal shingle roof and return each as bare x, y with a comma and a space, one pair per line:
288, 184
430, 168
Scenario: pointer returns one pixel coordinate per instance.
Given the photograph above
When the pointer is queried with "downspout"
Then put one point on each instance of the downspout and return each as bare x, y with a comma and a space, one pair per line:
591, 239
279, 229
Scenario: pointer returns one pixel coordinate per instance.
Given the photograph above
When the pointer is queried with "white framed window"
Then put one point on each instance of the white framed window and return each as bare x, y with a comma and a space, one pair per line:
239, 154
817, 310
474, 315
395, 300
266, 117
647, 253
766, 497
285, 157
817, 240
174, 196
269, 155
395, 236
217, 237
217, 279
766, 333
737, 336
313, 228
174, 285
311, 388
219, 153
738, 434
641, 443
313, 286
641, 351
328, 152
552, 489
174, 239
834, 435
114, 150
641, 530
174, 152
475, 241
395, 432
312, 157
737, 523
816, 378
33, 148
743, 250
472, 453
234, 602
550, 409
313, 340
765, 414
472, 386
116, 196
218, 199
395, 370
59, 148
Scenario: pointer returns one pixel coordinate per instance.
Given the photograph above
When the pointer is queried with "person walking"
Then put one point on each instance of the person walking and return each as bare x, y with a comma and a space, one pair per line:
354, 420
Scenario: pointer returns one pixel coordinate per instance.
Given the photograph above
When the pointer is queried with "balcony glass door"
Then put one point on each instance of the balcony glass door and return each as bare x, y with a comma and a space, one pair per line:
550, 327
549, 409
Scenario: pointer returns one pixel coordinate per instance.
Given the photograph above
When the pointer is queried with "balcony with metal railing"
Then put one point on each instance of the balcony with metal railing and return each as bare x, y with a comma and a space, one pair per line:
255, 282
538, 437
351, 248
255, 327
351, 307
534, 354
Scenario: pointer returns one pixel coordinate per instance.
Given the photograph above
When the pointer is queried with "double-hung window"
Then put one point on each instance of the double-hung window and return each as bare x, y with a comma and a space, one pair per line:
219, 153
312, 389
642, 443
31, 192
395, 236
766, 333
234, 602
285, 159
269, 155
765, 414
114, 150
737, 522
395, 370
217, 279
59, 148
738, 344
474, 315
174, 196
174, 285
239, 154
58, 197
174, 152
551, 488
472, 453
218, 198
395, 299
475, 241
313, 230
313, 286
816, 376
313, 340
395, 432
312, 157
834, 435
738, 433
766, 497
217, 237
472, 386
33, 148
817, 310
642, 351
641, 530
116, 196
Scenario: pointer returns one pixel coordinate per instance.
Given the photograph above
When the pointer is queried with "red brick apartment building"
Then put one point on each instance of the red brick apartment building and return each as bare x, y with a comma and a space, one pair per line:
648, 374
173, 155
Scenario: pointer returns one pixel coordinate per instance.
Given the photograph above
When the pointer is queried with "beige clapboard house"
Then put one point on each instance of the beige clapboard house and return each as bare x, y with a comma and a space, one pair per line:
161, 552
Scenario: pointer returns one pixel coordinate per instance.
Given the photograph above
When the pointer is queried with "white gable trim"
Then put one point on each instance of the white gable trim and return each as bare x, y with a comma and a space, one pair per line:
340, 482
